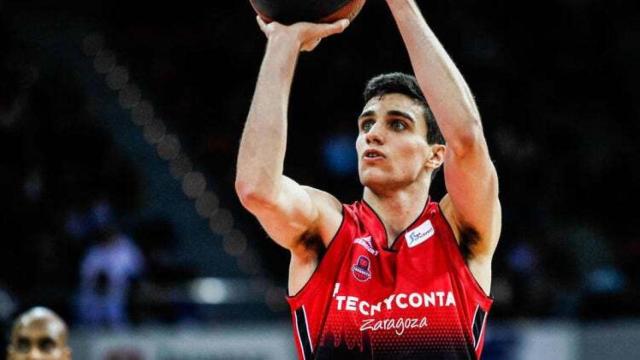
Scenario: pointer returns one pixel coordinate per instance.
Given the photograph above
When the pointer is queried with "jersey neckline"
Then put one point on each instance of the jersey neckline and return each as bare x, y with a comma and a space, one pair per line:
395, 245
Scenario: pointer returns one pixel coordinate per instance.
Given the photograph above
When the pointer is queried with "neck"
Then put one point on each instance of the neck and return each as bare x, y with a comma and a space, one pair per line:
399, 208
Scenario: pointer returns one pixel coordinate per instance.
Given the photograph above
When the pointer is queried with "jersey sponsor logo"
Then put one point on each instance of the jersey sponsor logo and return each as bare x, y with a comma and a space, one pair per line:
361, 269
420, 234
398, 325
400, 301
367, 243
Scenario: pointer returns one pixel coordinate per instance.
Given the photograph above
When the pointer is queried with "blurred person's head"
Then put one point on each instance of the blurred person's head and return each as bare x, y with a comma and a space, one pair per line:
399, 141
39, 334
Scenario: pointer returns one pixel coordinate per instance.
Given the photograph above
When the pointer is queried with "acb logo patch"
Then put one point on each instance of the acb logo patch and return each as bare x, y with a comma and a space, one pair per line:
362, 268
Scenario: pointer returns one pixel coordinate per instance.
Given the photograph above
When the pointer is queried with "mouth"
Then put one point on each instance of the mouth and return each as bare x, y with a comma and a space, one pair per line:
372, 154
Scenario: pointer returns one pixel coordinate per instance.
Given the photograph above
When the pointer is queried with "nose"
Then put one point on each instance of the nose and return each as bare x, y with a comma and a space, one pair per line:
374, 135
35, 354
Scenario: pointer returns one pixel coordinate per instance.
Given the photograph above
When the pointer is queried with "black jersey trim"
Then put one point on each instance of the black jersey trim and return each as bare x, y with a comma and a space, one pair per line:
303, 333
478, 325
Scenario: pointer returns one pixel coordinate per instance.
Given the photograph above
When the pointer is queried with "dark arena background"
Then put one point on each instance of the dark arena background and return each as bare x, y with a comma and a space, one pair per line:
119, 129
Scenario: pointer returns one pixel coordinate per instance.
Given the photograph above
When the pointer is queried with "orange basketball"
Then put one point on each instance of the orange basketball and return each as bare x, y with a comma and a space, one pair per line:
319, 11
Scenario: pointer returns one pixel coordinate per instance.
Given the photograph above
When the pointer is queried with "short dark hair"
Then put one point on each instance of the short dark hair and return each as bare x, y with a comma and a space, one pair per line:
406, 85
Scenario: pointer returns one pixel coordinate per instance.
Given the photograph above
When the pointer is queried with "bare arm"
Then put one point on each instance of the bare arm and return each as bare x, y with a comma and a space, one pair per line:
472, 202
284, 208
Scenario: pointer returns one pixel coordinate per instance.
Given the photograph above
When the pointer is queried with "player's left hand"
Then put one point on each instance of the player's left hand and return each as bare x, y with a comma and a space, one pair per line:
307, 35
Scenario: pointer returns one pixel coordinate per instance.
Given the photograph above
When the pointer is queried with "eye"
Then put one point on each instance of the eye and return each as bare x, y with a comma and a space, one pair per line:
47, 345
398, 125
23, 345
366, 125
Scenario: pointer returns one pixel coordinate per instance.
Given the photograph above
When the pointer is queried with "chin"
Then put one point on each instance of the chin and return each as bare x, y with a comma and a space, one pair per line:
373, 179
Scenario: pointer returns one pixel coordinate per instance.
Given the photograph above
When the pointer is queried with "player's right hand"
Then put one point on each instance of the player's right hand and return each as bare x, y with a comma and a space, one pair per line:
305, 35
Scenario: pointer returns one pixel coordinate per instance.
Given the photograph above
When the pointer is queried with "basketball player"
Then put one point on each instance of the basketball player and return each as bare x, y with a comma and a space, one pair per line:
395, 275
39, 334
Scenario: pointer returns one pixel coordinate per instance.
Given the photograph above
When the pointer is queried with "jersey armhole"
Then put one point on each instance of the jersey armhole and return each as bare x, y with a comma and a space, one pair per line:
457, 256
323, 260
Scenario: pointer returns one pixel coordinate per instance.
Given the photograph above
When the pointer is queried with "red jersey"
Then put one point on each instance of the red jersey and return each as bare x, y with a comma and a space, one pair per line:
414, 300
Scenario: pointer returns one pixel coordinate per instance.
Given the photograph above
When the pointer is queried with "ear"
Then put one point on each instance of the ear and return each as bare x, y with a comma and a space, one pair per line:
435, 156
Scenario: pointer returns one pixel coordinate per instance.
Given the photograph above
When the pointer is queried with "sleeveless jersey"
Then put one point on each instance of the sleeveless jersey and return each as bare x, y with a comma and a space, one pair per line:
414, 300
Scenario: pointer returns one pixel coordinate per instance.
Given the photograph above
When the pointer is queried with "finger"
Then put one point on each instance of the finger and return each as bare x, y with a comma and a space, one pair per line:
261, 24
334, 28
311, 45
343, 23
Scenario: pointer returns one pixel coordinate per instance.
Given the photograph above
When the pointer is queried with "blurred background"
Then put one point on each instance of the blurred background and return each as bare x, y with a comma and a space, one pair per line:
119, 128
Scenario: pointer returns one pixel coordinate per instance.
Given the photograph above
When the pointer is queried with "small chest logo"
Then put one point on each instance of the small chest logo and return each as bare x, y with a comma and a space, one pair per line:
420, 234
362, 269
367, 243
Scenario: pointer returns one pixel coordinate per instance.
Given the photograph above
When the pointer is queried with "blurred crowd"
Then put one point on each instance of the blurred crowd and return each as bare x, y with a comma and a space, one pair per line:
555, 87
68, 194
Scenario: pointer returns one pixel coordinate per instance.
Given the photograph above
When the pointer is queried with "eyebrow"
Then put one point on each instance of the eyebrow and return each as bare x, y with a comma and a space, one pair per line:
43, 338
398, 113
401, 114
367, 114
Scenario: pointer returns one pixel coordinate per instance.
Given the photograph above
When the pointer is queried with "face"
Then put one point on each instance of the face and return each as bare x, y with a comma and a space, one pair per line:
392, 148
41, 340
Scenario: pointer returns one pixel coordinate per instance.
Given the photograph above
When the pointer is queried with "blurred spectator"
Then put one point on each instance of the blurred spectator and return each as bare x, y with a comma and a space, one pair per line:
78, 225
106, 275
39, 334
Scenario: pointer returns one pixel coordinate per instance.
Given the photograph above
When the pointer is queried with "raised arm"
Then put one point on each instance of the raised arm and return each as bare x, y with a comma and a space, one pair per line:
472, 204
285, 209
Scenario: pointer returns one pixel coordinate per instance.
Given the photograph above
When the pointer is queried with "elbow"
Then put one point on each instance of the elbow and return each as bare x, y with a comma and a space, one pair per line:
246, 192
250, 195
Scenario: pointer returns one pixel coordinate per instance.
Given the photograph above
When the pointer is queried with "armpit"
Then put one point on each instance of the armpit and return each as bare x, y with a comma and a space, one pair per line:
469, 238
312, 243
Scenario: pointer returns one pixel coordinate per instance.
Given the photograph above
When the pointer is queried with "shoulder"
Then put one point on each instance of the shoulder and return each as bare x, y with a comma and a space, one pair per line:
465, 236
330, 215
447, 211
472, 242
323, 199
306, 255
